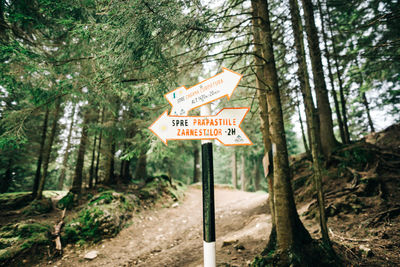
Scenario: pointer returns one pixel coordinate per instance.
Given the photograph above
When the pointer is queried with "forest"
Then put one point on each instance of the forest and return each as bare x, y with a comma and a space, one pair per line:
86, 180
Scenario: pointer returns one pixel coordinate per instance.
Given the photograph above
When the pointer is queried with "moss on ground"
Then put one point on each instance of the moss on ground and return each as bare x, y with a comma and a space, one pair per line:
315, 253
105, 215
37, 207
13, 201
67, 202
176, 191
107, 212
18, 238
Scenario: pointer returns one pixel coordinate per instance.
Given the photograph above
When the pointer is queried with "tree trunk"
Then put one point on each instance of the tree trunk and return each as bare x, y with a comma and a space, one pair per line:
366, 105
328, 142
328, 59
317, 166
91, 171
364, 98
289, 229
96, 173
141, 166
125, 171
47, 152
311, 124
41, 151
6, 181
196, 164
243, 174
3, 24
110, 177
303, 135
80, 160
256, 178
109, 173
66, 154
234, 169
340, 82
261, 86
302, 71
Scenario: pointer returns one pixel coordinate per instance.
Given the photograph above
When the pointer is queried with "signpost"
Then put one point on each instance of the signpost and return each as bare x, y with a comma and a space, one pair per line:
223, 84
224, 127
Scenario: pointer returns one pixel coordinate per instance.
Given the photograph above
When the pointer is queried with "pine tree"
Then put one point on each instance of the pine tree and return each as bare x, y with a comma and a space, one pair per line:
289, 229
328, 142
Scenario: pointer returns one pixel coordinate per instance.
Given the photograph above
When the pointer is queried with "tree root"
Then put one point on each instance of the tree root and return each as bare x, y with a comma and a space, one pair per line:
388, 214
348, 238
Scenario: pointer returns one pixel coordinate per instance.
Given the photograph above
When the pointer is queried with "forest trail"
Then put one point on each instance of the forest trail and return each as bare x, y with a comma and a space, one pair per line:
173, 236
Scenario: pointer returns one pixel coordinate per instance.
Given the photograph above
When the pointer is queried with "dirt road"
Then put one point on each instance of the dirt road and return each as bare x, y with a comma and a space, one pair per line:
173, 236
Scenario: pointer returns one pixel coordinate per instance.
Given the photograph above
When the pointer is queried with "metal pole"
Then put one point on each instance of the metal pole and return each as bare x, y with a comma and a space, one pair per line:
208, 197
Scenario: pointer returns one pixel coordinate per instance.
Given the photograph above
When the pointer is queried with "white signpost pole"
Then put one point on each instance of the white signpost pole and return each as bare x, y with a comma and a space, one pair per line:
208, 196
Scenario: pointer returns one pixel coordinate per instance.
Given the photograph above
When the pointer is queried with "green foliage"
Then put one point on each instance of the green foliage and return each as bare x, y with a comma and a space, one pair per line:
177, 191
259, 262
104, 198
154, 188
108, 211
86, 227
369, 55
66, 202
356, 157
104, 216
312, 254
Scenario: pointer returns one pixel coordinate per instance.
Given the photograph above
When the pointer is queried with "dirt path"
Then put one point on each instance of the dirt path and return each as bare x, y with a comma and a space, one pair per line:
173, 236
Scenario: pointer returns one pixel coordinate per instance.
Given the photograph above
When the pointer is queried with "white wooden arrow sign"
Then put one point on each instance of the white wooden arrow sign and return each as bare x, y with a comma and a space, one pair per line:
224, 127
183, 100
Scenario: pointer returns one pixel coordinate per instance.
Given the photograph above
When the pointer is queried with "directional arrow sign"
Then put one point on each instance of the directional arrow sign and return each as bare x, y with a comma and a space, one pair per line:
183, 100
225, 127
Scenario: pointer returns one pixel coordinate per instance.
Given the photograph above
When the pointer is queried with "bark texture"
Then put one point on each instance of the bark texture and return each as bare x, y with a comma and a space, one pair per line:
328, 141
91, 170
330, 74
6, 181
302, 71
141, 166
261, 86
257, 176
125, 171
96, 172
78, 175
311, 124
41, 151
289, 229
303, 135
109, 166
366, 105
47, 151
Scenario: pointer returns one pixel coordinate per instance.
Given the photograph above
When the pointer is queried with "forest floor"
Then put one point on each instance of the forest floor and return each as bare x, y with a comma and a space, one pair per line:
361, 184
173, 236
